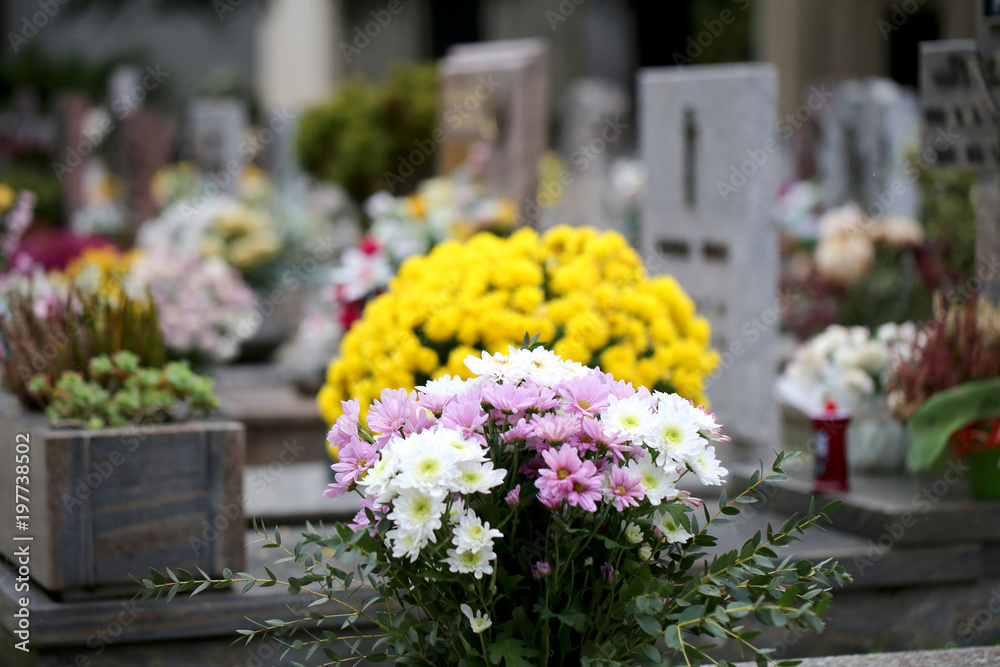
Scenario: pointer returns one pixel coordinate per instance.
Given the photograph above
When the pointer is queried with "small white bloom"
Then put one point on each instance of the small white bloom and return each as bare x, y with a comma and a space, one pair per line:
633, 534
378, 480
444, 385
497, 367
628, 415
673, 432
645, 553
418, 512
405, 544
657, 483
463, 449
480, 622
672, 531
473, 534
476, 563
476, 477
429, 463
707, 467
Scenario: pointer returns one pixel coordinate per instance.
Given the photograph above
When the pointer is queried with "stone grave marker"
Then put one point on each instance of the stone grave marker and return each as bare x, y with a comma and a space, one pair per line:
496, 95
216, 129
960, 125
866, 132
707, 136
145, 144
595, 113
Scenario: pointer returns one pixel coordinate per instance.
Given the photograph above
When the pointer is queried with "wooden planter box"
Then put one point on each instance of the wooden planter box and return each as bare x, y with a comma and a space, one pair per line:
108, 504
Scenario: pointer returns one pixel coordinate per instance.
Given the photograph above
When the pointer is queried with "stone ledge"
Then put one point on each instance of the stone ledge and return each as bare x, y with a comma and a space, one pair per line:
901, 509
965, 657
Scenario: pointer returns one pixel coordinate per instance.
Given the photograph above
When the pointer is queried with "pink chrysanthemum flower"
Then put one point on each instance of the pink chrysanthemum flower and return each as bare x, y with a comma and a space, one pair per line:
513, 499
543, 399
355, 458
541, 569
391, 412
585, 396
625, 489
361, 518
554, 429
464, 414
593, 436
507, 398
568, 478
345, 429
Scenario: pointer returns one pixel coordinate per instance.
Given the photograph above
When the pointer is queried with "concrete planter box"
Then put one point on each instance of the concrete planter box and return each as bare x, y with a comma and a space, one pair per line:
111, 503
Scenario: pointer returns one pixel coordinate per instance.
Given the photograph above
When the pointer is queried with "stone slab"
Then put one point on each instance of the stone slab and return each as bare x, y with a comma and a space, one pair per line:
900, 510
966, 657
709, 142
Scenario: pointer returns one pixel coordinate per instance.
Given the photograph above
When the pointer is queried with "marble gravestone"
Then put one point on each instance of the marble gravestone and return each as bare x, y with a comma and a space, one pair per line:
960, 126
867, 129
594, 111
495, 96
216, 129
707, 136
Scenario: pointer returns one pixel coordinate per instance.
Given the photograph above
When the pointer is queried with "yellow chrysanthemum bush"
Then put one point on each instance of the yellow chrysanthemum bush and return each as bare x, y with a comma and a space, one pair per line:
586, 293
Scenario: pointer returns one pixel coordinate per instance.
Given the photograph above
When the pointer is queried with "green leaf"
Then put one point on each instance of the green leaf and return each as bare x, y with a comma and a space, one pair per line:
649, 625
771, 616
512, 652
933, 424
649, 653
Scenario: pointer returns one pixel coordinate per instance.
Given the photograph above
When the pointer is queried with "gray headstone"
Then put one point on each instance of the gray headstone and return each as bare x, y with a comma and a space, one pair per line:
216, 129
707, 136
959, 85
866, 133
497, 94
951, 99
593, 112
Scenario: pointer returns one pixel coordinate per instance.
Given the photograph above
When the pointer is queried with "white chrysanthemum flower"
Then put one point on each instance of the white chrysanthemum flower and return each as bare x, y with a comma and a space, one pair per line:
672, 531
656, 482
476, 563
497, 367
446, 385
707, 467
477, 477
405, 544
480, 622
474, 534
379, 480
633, 534
628, 415
645, 553
544, 367
462, 448
428, 463
418, 512
674, 433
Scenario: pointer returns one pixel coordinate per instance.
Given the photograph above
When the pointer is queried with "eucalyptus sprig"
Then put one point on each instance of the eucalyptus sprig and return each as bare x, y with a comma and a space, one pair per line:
669, 609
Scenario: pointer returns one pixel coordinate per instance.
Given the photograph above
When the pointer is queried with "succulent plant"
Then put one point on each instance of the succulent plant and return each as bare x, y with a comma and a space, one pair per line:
120, 391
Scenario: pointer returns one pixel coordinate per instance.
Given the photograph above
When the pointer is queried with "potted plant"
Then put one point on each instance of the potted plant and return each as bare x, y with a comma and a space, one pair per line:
949, 392
116, 471
530, 515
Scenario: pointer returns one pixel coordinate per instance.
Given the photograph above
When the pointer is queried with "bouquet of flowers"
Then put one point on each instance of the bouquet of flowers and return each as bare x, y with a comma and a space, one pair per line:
586, 292
205, 307
842, 365
531, 515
